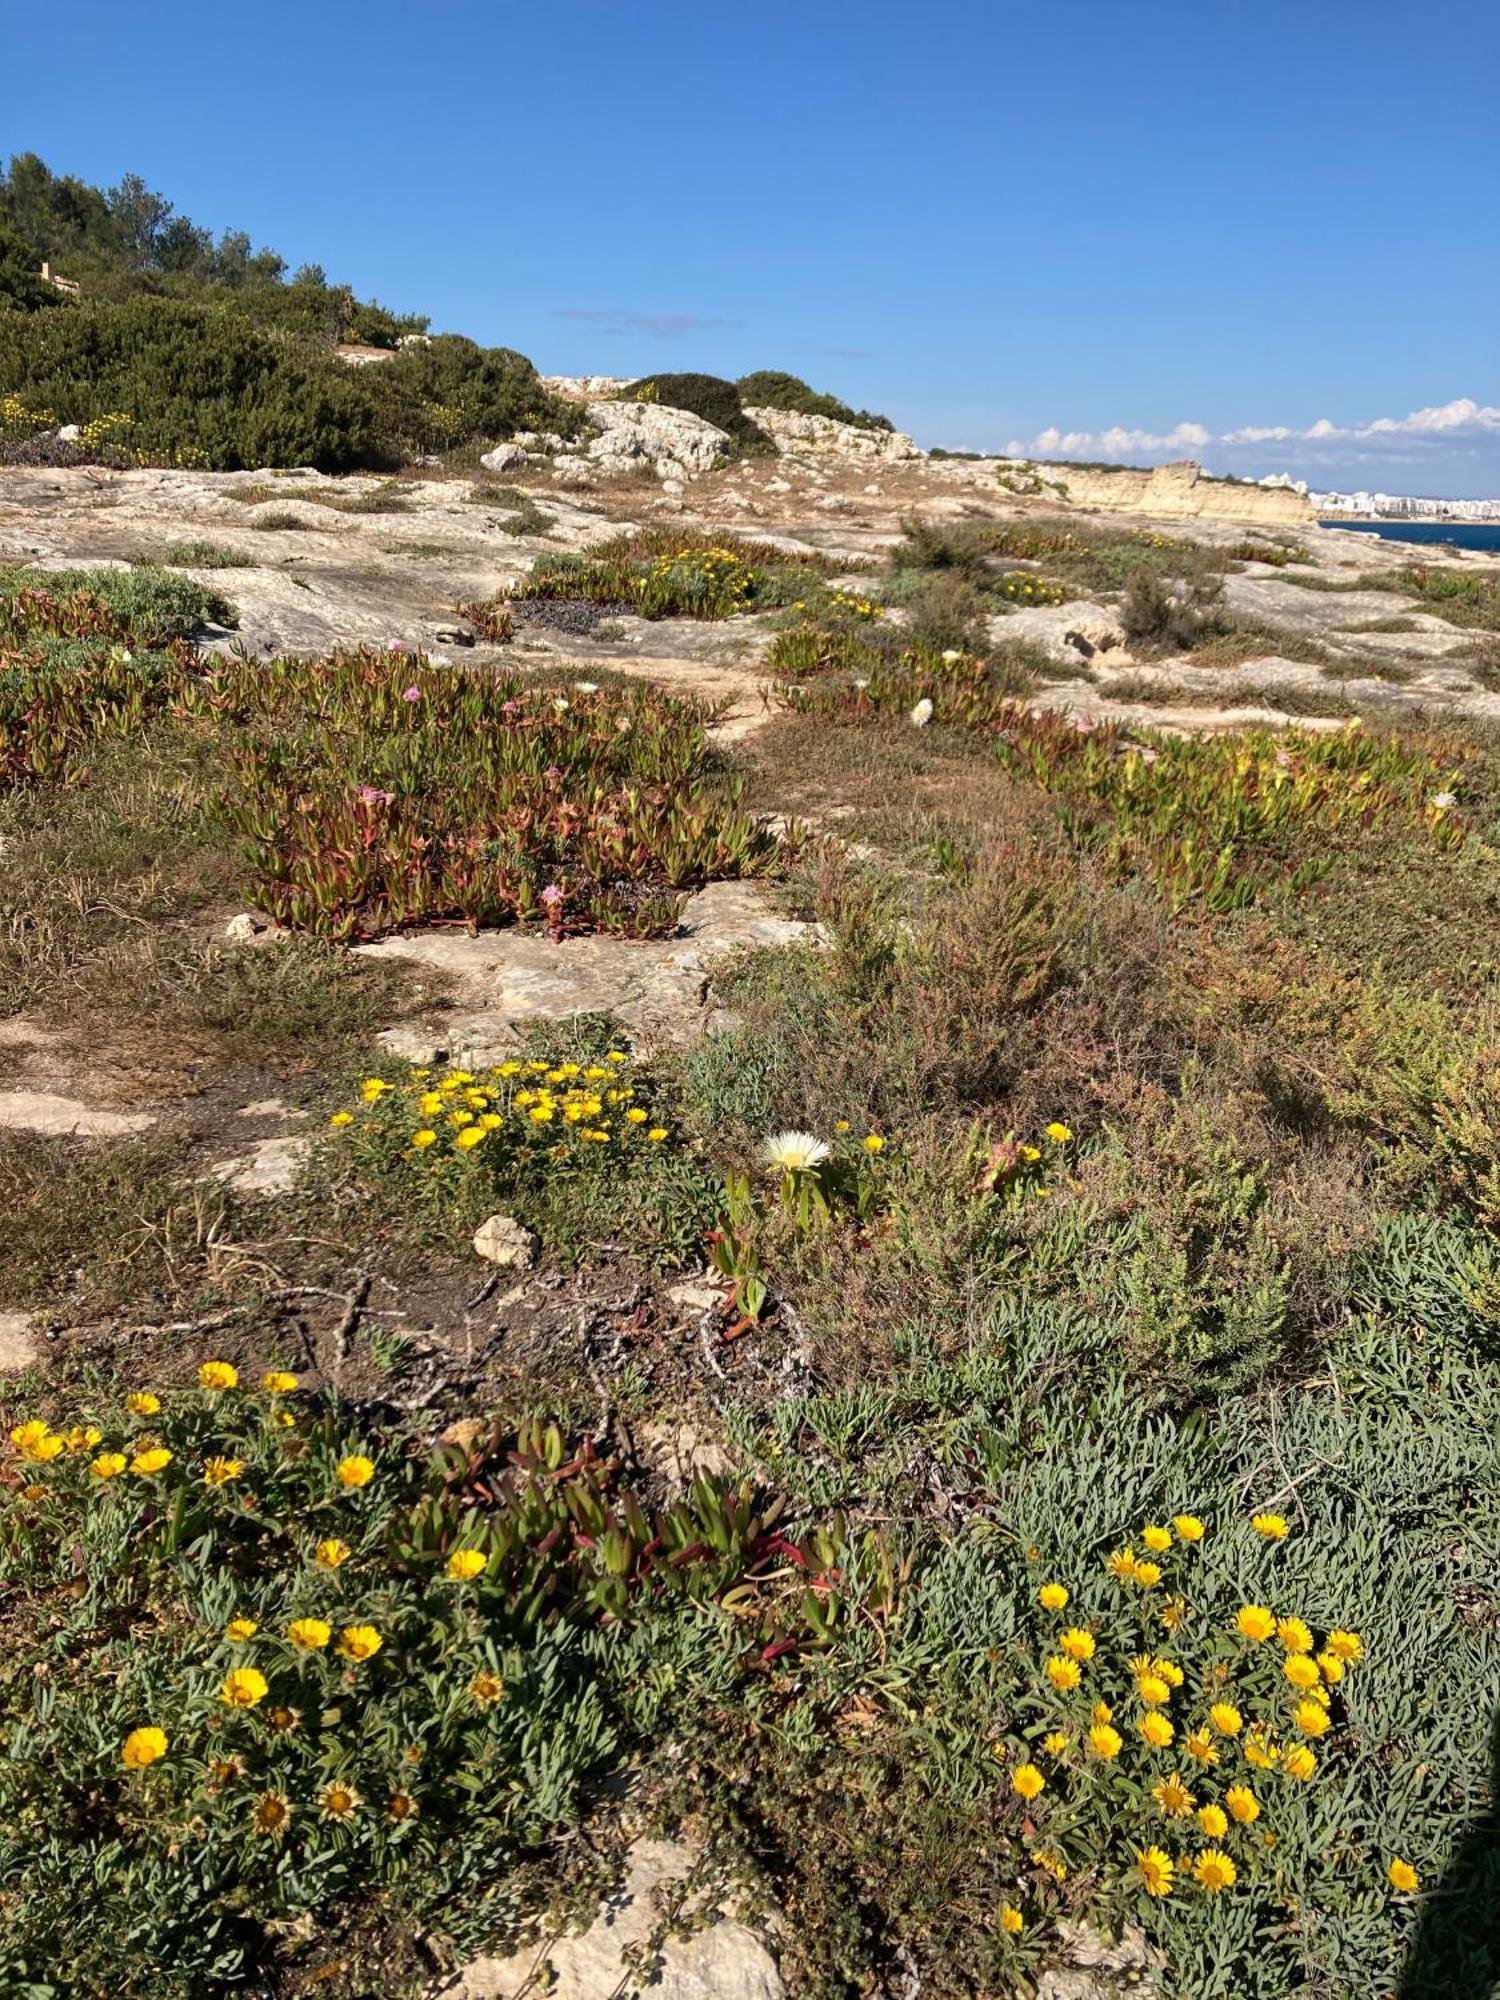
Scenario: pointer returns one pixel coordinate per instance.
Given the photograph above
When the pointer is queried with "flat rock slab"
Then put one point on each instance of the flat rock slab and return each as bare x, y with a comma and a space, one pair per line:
658, 987
270, 1167
724, 1961
1100, 1968
1279, 601
18, 1344
1066, 633
52, 1117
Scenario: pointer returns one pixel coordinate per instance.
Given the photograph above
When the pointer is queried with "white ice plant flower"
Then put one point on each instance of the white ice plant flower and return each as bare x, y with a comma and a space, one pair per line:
794, 1152
951, 655
921, 715
585, 687
1443, 801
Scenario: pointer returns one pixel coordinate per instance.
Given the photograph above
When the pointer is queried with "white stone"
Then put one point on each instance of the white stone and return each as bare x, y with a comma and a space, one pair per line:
503, 1241
270, 1167
18, 1345
246, 927
269, 1107
1066, 633
412, 1045
53, 1117
649, 437
723, 1961
673, 1449
696, 1295
504, 458
1100, 1968
659, 987
793, 432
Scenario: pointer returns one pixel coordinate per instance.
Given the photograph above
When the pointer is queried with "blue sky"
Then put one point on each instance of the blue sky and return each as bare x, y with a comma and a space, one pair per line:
1133, 231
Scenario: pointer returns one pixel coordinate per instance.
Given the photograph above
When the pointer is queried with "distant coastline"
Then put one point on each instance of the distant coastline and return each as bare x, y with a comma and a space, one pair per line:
1481, 536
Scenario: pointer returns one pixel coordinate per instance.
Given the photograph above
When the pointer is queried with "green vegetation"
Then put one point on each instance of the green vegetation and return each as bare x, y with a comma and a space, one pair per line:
182, 351
200, 555
68, 674
770, 389
142, 605
670, 573
348, 1676
707, 396
126, 242
374, 791
1460, 596
1083, 560
582, 1148
1104, 1199
1160, 612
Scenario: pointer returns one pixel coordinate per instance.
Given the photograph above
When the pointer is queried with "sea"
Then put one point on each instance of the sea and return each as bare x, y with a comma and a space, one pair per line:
1458, 534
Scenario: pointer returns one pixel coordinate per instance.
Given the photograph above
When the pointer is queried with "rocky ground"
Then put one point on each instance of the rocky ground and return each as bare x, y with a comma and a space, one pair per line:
317, 576
321, 563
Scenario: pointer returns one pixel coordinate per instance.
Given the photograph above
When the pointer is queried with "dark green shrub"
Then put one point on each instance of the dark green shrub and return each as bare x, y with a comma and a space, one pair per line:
772, 389
20, 284
199, 385
451, 389
707, 396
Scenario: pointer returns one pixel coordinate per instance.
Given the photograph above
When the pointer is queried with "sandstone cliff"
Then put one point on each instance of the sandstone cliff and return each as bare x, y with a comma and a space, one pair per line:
1181, 492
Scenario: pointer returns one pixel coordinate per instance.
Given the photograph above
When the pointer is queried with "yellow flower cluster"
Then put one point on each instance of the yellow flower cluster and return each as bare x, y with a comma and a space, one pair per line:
38, 1444
557, 1104
857, 607
19, 419
1184, 1725
1022, 587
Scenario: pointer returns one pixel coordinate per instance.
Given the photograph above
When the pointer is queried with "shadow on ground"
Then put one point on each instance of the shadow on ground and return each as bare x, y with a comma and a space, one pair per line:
1456, 1952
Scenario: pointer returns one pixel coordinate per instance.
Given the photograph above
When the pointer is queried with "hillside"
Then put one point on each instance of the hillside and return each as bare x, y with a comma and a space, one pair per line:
750, 1190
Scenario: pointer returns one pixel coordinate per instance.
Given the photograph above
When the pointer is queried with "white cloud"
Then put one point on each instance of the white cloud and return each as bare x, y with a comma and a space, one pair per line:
1445, 422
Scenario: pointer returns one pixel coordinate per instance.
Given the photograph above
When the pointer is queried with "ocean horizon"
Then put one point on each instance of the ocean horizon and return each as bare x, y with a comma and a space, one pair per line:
1482, 535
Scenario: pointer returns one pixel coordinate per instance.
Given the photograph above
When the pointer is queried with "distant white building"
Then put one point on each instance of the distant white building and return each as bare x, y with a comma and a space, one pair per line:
1406, 507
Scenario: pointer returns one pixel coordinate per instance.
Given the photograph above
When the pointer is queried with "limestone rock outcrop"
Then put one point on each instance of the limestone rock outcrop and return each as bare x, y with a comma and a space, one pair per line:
1183, 492
721, 1959
800, 435
643, 437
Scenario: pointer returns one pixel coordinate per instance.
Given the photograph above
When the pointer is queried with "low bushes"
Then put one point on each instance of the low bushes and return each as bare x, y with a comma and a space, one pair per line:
199, 385
1159, 611
88, 654
1226, 819
1229, 818
771, 389
579, 1145
909, 1833
141, 606
189, 383
674, 573
1079, 561
447, 390
202, 555
1460, 596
